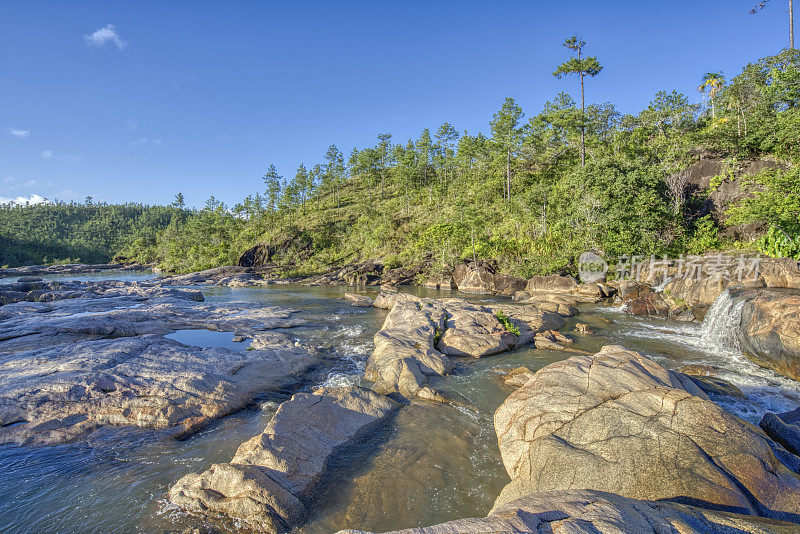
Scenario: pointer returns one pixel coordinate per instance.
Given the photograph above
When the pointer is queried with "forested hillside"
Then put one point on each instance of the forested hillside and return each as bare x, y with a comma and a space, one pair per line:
70, 232
534, 190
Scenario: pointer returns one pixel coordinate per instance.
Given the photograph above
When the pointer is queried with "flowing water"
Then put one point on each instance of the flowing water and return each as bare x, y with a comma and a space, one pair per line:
433, 463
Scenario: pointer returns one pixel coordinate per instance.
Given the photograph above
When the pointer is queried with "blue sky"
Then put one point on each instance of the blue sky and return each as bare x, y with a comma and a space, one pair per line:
200, 97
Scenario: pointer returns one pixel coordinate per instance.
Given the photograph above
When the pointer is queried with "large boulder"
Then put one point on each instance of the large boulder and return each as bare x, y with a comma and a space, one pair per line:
621, 423
473, 330
596, 512
769, 333
273, 478
475, 277
482, 278
418, 335
404, 352
555, 282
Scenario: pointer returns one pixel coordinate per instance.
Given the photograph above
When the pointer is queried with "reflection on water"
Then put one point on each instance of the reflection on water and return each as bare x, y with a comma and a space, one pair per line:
209, 338
434, 463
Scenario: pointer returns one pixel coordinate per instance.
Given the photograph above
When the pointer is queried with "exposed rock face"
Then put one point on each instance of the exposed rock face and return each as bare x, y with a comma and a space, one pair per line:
619, 422
554, 282
595, 512
690, 286
72, 365
770, 330
58, 394
273, 477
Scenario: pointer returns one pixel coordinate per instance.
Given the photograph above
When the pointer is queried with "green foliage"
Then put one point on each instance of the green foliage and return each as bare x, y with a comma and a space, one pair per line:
705, 236
506, 322
778, 244
533, 194
71, 232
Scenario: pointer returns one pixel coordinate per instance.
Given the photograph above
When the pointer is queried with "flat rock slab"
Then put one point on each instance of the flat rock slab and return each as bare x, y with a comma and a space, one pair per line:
74, 364
274, 476
619, 422
53, 395
595, 512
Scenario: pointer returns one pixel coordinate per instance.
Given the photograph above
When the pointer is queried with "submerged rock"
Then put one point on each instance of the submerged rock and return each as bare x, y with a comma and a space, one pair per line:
619, 422
274, 477
596, 512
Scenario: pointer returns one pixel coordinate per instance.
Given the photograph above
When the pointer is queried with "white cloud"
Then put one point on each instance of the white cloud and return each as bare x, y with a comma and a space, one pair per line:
21, 201
47, 154
146, 141
17, 132
105, 35
74, 158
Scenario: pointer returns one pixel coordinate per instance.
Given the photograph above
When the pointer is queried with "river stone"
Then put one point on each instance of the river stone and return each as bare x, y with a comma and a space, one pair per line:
554, 283
357, 300
787, 434
596, 512
770, 330
273, 477
619, 422
404, 347
473, 331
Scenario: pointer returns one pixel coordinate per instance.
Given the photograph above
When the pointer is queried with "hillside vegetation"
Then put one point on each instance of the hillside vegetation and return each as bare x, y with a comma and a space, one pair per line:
533, 192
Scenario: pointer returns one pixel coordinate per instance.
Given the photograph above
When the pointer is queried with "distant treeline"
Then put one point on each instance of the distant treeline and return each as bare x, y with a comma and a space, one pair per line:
71, 232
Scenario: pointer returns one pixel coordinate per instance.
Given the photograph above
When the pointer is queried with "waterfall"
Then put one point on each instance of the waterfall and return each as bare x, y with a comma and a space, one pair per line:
720, 327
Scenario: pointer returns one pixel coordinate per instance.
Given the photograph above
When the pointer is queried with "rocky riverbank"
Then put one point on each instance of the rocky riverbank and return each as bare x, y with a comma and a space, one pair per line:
601, 441
91, 354
616, 443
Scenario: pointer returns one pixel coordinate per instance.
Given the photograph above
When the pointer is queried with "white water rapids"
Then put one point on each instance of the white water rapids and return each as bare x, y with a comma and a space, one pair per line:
713, 342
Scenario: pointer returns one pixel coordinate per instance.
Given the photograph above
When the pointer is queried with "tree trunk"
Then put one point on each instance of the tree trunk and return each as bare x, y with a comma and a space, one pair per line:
583, 126
508, 173
791, 24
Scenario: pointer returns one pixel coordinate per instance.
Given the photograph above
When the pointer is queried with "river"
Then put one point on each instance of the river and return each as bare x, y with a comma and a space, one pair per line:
435, 463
